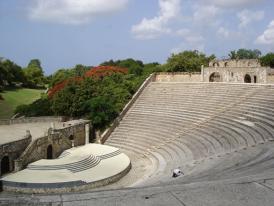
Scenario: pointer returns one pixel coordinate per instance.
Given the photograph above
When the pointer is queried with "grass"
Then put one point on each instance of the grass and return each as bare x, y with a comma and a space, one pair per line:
15, 97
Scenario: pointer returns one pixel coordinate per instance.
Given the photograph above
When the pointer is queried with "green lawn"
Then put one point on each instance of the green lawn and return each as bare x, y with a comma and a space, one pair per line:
15, 97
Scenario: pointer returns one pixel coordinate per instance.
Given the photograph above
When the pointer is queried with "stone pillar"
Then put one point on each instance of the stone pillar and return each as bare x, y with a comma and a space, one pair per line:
87, 133
52, 125
202, 73
17, 165
98, 137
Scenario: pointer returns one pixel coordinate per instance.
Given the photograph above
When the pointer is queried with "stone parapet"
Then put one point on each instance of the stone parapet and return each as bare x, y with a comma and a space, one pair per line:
30, 120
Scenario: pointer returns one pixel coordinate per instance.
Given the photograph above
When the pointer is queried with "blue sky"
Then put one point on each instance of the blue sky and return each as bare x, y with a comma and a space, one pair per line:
63, 33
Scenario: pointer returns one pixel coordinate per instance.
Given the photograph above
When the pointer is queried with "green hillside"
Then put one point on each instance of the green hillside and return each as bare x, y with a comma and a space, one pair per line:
15, 97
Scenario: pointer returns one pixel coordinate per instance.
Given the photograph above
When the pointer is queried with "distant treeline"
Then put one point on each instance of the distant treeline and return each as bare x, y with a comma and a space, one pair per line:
100, 93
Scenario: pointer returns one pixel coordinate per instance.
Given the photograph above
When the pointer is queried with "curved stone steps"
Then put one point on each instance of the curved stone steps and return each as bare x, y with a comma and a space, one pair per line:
229, 120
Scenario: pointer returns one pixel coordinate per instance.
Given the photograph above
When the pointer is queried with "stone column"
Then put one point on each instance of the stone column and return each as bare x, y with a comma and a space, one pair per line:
17, 165
202, 73
87, 133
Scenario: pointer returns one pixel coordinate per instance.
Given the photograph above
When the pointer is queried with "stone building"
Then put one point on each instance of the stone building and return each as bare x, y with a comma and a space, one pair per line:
26, 140
237, 71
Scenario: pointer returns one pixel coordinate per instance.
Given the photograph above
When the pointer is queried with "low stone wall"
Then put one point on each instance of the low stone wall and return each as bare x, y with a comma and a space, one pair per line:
59, 139
13, 150
30, 120
178, 77
116, 122
270, 78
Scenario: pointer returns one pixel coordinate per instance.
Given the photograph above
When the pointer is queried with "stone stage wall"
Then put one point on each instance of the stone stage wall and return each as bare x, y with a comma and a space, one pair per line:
58, 139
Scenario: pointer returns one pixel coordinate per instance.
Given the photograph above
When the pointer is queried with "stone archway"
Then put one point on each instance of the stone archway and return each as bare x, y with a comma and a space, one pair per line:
5, 165
49, 152
247, 78
215, 77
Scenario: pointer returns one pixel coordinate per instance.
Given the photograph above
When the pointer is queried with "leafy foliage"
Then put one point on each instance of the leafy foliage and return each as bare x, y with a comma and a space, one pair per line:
245, 54
96, 72
101, 100
267, 60
10, 73
134, 66
40, 107
187, 61
34, 73
101, 111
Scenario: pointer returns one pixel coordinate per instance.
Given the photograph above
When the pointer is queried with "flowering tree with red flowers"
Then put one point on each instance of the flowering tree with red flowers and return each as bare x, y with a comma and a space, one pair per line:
102, 71
96, 72
62, 84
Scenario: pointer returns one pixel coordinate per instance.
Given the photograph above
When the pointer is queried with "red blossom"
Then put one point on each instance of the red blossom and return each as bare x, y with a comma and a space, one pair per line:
96, 72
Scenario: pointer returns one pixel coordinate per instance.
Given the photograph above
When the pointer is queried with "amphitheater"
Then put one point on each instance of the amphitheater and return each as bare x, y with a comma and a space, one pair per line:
220, 134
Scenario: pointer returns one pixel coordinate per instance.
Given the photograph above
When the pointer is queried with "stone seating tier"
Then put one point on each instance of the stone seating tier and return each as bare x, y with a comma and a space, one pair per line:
181, 123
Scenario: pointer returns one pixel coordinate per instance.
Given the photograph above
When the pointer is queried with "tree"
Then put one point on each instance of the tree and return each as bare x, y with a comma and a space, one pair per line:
134, 66
187, 61
101, 111
59, 76
268, 60
40, 107
80, 70
65, 102
34, 73
10, 73
245, 54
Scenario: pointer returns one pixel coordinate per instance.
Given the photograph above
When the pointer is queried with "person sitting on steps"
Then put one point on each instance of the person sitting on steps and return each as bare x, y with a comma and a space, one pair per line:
177, 172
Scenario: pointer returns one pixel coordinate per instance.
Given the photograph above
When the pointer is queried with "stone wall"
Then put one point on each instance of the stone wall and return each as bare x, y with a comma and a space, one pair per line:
244, 63
30, 120
236, 74
270, 78
178, 77
235, 71
13, 150
59, 139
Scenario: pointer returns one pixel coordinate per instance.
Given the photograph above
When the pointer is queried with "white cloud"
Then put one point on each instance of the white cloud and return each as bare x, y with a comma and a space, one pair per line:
206, 14
184, 46
233, 3
153, 28
191, 41
268, 35
189, 36
223, 33
247, 16
73, 11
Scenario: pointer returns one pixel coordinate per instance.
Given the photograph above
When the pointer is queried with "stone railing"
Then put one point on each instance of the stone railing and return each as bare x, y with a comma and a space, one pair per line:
116, 122
30, 120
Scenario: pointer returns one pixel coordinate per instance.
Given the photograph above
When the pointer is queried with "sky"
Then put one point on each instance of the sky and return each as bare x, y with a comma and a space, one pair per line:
63, 33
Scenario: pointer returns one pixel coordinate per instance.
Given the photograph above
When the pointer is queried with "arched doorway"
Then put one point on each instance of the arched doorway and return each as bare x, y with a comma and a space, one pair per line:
247, 78
215, 77
49, 152
215, 64
71, 138
5, 165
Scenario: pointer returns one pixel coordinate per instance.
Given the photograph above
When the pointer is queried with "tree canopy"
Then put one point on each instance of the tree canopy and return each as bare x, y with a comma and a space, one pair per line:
34, 73
187, 61
10, 73
268, 60
245, 54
